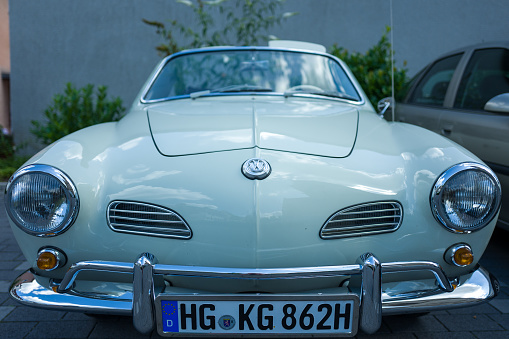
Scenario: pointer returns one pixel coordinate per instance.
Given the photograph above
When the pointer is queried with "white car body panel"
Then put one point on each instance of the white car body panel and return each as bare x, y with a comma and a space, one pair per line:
227, 123
390, 162
185, 154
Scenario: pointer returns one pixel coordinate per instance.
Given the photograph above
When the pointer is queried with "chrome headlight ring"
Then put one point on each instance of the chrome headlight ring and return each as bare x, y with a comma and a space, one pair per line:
466, 197
41, 200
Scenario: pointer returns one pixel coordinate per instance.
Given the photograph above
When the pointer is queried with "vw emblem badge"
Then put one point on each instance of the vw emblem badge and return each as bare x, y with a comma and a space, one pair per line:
256, 168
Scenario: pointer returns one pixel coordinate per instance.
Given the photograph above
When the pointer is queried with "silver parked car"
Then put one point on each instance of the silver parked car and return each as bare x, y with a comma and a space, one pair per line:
464, 95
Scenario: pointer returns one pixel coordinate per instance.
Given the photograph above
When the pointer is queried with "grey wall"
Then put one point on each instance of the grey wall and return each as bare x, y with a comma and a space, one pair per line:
104, 42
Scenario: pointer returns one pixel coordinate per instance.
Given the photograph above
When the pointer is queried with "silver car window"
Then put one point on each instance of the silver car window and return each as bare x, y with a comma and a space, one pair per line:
431, 89
486, 76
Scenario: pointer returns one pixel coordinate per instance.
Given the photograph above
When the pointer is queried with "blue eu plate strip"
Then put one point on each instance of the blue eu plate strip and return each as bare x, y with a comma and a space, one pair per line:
170, 315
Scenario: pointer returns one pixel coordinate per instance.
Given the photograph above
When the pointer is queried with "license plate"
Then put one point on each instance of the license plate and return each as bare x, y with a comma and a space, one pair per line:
258, 315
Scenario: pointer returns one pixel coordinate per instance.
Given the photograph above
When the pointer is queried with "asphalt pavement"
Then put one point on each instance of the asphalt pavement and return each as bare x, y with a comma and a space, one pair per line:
489, 320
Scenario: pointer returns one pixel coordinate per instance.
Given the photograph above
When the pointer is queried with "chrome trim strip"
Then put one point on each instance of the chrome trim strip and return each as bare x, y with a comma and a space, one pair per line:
296, 95
373, 211
144, 212
154, 234
142, 229
373, 227
147, 220
211, 272
367, 218
254, 273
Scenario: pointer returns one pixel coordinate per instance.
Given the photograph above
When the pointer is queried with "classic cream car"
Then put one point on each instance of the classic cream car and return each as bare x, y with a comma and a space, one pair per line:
253, 190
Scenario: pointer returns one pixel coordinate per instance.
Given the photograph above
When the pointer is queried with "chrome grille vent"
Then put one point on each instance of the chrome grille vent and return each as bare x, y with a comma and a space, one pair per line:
146, 219
364, 219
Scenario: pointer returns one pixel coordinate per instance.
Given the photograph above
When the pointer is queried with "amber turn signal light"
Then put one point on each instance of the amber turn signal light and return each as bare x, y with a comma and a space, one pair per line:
463, 256
49, 259
460, 255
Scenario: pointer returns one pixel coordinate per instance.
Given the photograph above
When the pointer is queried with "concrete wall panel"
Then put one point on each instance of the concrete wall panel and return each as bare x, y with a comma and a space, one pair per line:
106, 42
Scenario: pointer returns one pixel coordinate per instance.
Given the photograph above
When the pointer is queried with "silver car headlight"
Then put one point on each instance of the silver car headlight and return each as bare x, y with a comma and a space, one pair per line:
41, 200
466, 197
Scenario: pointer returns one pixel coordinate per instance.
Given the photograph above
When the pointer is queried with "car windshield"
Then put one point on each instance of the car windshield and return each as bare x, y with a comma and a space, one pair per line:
235, 71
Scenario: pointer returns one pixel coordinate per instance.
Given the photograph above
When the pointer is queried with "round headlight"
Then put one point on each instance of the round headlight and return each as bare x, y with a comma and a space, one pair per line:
466, 197
41, 200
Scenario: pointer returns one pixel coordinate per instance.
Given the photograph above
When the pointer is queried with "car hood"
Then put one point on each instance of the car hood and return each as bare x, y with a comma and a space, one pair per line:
215, 124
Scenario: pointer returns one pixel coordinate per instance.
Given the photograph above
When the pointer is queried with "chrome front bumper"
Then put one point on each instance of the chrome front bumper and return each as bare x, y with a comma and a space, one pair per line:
476, 287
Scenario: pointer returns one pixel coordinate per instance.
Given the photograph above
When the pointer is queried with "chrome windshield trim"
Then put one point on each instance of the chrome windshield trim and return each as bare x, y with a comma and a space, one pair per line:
248, 48
296, 95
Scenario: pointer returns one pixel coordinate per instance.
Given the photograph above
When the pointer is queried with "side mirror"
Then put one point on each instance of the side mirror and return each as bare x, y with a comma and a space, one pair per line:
498, 104
384, 105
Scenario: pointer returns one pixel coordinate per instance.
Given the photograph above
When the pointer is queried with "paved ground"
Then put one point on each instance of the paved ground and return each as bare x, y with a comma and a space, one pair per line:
490, 320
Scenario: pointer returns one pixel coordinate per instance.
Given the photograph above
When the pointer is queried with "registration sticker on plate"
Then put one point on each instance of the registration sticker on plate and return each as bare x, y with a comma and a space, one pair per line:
259, 315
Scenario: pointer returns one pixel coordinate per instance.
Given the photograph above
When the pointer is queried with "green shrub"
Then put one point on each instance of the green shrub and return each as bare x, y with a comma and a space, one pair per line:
9, 162
9, 165
6, 145
246, 22
373, 70
75, 109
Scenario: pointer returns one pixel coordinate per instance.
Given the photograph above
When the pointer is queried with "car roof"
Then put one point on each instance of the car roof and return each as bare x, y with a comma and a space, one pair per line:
490, 44
307, 48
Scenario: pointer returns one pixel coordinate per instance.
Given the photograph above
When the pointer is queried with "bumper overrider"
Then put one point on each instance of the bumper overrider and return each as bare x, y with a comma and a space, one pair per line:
476, 287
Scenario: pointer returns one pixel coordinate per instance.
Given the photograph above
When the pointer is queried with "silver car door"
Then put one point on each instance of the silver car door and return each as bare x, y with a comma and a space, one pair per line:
425, 102
484, 133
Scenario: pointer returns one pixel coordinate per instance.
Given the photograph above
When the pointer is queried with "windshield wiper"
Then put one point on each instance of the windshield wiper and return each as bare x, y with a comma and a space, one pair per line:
246, 89
231, 89
325, 94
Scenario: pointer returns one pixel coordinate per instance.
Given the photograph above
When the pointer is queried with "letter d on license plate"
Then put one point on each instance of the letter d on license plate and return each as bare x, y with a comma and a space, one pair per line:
260, 314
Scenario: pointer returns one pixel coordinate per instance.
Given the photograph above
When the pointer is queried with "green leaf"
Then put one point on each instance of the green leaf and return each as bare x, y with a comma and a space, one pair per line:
373, 69
76, 109
250, 28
